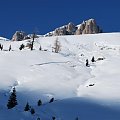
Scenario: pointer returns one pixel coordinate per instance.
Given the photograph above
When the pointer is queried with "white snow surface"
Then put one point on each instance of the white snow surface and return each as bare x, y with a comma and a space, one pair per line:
2, 38
64, 76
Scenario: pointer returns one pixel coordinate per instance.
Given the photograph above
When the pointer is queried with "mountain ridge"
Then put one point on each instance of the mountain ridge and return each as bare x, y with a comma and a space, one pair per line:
86, 27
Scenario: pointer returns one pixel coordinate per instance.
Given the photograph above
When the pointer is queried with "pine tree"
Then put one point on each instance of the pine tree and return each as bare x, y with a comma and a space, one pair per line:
22, 47
39, 102
51, 100
38, 118
27, 107
1, 47
40, 48
53, 118
76, 118
93, 59
32, 111
12, 102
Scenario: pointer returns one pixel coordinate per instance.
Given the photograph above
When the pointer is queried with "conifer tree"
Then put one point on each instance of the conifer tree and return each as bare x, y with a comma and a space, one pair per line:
1, 47
12, 102
27, 107
93, 59
53, 118
87, 64
51, 100
32, 111
40, 48
39, 102
38, 118
21, 46
76, 118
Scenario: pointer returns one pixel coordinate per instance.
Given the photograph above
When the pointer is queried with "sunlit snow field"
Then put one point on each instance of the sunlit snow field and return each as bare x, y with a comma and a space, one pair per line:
89, 93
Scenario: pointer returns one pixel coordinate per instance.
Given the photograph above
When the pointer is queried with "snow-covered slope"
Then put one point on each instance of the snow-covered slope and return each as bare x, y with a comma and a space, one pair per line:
4, 39
85, 92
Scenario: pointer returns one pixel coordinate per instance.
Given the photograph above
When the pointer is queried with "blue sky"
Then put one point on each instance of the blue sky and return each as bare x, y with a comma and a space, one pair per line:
45, 15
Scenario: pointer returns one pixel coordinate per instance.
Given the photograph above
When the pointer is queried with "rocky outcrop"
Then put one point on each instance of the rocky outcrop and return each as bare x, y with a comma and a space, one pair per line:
71, 28
59, 31
87, 27
65, 30
18, 36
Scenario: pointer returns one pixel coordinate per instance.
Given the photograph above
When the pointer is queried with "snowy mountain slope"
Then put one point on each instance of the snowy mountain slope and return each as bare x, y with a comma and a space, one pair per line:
2, 38
64, 76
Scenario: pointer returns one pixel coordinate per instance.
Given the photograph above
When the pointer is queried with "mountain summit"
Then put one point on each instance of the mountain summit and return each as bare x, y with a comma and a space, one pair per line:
86, 27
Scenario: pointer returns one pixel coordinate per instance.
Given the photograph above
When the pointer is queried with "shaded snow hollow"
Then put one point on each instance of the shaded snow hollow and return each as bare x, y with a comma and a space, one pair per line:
84, 92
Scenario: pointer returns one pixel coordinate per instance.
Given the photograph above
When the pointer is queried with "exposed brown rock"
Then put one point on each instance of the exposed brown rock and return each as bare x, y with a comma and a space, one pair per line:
18, 36
86, 27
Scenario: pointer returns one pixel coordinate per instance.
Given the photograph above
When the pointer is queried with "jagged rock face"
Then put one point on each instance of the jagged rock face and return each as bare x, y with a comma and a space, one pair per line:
88, 27
59, 32
65, 30
19, 36
71, 28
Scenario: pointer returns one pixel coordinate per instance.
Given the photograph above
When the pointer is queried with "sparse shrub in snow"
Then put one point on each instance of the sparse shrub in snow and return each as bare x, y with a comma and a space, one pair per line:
51, 100
28, 45
57, 46
32, 111
27, 107
32, 43
12, 102
93, 59
39, 102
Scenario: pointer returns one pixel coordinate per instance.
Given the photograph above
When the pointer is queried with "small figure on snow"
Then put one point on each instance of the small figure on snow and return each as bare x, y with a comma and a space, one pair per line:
87, 63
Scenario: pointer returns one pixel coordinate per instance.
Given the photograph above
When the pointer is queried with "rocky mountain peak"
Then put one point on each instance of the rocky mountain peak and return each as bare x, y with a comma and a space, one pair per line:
18, 36
86, 27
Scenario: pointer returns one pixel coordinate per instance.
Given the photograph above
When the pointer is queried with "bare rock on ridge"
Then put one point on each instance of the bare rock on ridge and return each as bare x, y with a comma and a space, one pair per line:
88, 27
19, 36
